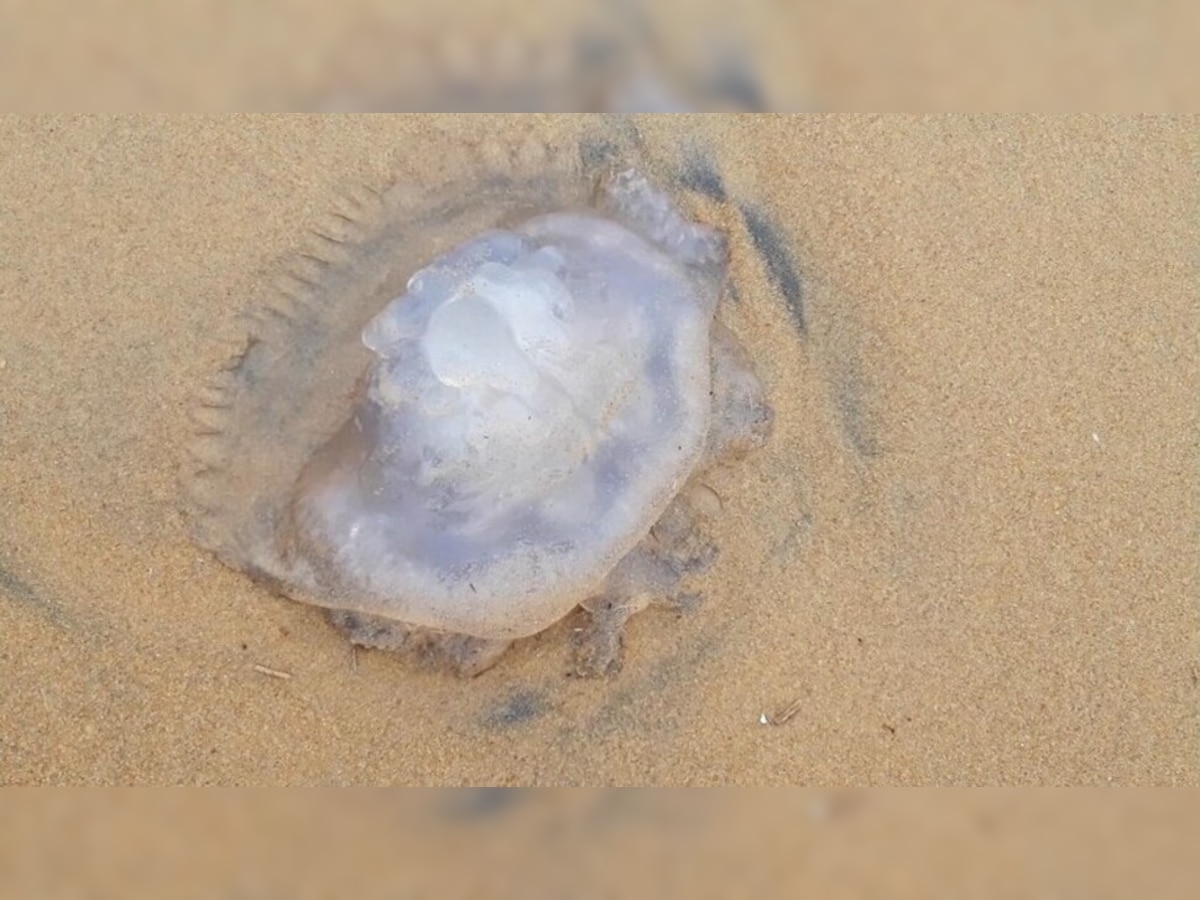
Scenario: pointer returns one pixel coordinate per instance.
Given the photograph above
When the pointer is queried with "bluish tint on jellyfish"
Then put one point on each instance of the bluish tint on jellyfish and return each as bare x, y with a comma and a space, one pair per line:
529, 406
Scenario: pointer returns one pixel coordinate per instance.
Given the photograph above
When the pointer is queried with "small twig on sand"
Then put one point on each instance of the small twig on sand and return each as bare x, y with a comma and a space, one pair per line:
784, 715
273, 673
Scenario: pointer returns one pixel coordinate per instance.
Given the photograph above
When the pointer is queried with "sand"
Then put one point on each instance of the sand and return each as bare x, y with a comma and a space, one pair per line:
967, 556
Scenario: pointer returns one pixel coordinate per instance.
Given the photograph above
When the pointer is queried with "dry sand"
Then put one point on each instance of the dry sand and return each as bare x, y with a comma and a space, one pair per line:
968, 555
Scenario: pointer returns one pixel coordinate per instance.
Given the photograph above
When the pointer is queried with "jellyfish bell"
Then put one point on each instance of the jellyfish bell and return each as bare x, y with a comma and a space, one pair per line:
530, 402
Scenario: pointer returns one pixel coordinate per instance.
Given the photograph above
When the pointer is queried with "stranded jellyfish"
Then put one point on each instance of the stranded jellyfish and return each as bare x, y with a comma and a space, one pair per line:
482, 406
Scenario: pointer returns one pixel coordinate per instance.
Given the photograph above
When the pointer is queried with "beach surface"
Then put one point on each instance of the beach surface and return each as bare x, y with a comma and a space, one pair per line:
968, 555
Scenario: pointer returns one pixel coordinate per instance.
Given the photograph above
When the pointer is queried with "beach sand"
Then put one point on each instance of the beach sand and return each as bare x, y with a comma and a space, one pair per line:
967, 556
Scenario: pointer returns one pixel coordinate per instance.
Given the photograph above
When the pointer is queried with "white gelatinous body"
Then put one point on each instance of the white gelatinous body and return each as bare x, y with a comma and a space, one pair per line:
538, 397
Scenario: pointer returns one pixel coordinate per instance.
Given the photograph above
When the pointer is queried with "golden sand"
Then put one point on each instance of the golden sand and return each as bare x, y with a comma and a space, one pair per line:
968, 555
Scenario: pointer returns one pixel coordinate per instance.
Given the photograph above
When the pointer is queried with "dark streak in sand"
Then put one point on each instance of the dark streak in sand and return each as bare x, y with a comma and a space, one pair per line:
29, 597
850, 398
520, 707
769, 241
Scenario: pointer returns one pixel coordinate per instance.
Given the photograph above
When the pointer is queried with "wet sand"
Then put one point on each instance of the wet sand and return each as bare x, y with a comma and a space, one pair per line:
968, 555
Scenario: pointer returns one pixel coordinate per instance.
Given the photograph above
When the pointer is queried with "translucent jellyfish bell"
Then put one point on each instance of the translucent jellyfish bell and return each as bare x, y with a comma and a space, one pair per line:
474, 428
